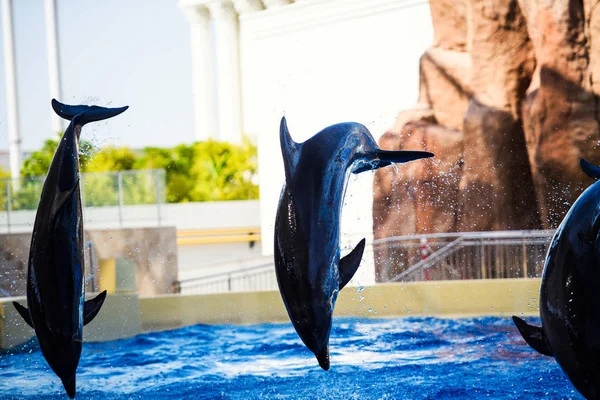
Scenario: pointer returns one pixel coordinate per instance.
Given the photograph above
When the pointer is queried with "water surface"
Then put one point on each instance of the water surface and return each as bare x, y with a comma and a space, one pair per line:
409, 358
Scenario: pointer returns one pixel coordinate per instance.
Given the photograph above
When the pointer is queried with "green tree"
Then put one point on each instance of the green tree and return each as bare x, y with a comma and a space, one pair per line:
38, 162
110, 159
224, 171
203, 171
26, 195
4, 180
176, 162
36, 166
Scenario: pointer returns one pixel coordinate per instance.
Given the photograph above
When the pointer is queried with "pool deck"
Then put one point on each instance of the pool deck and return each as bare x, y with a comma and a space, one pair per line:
125, 314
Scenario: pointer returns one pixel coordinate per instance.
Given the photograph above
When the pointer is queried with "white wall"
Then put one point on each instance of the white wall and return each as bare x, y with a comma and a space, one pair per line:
206, 259
204, 215
324, 62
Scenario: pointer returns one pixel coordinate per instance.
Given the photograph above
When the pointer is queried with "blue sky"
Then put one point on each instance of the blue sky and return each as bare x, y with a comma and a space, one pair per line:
112, 52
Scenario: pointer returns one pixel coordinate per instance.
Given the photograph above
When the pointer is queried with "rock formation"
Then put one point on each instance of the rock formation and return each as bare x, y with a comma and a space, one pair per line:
508, 103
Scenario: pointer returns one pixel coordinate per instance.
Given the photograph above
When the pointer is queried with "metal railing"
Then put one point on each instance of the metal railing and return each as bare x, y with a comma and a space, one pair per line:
104, 197
254, 279
90, 278
442, 256
469, 255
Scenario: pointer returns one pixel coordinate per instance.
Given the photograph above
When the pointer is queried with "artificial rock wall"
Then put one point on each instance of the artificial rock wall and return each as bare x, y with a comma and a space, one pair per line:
508, 103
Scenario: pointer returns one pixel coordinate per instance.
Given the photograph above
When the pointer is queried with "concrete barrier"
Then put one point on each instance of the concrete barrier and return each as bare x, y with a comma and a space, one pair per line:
119, 318
153, 251
126, 315
493, 297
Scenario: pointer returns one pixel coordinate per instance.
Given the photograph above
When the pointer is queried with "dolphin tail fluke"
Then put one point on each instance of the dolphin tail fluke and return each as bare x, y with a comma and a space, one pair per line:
66, 111
590, 169
24, 313
323, 358
349, 264
534, 336
83, 114
69, 385
92, 307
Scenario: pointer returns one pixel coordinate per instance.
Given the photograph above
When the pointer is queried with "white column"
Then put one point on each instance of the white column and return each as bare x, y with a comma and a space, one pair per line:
248, 6
276, 3
12, 111
202, 72
53, 61
228, 70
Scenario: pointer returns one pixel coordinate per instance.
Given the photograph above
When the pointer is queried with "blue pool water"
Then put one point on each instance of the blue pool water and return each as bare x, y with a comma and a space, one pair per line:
414, 358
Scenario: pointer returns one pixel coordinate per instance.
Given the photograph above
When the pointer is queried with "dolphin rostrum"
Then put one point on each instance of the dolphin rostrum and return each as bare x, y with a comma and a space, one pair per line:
55, 280
309, 270
570, 294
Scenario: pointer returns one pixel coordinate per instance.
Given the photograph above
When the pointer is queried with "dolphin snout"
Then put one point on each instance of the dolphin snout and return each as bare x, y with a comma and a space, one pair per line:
323, 357
69, 384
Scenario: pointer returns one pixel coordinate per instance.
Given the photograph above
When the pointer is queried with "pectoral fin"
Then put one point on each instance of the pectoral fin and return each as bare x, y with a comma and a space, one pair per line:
24, 312
534, 336
349, 264
91, 307
61, 198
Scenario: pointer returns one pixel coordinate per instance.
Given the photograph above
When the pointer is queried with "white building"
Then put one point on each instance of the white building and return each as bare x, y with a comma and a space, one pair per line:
319, 62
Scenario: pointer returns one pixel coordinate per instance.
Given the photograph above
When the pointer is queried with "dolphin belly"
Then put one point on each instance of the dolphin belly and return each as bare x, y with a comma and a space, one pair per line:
309, 301
570, 294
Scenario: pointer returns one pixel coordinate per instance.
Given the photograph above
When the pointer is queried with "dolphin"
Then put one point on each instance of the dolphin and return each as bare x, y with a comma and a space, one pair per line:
570, 294
55, 280
309, 270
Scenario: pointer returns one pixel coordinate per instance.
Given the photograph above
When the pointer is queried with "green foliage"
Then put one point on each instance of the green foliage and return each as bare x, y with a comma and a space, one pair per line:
38, 162
26, 195
100, 189
4, 174
204, 171
223, 171
110, 159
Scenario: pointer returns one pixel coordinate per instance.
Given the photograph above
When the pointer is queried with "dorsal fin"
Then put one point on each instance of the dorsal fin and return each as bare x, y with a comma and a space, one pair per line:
289, 149
590, 169
61, 198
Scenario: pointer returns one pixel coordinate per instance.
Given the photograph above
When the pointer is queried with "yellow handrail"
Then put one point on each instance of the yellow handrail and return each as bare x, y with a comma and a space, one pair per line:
220, 231
213, 236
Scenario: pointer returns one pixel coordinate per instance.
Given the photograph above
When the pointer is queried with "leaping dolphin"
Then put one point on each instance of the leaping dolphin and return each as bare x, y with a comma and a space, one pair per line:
307, 227
55, 279
570, 294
